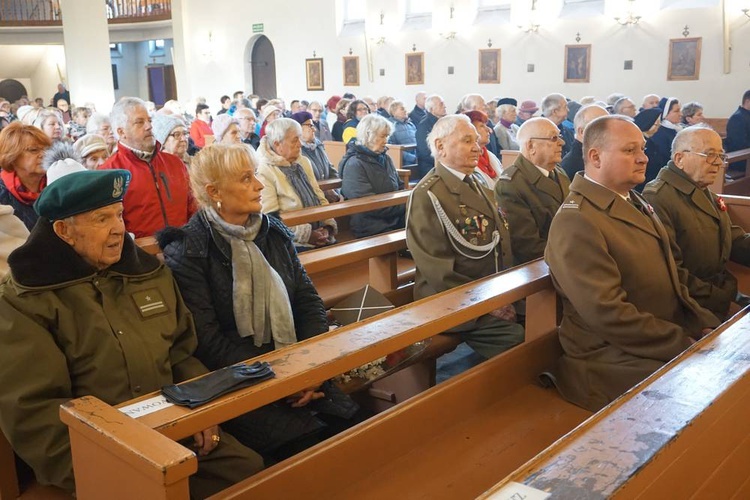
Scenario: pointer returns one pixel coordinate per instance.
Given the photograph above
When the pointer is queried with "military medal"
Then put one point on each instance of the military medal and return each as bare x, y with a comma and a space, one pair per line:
721, 204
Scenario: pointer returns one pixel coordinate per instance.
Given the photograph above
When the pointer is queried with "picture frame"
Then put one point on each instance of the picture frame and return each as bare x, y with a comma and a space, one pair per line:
414, 68
684, 59
489, 66
351, 71
314, 73
577, 64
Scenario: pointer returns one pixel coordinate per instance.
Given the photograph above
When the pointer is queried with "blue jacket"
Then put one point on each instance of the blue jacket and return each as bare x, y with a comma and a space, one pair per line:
404, 133
738, 130
659, 152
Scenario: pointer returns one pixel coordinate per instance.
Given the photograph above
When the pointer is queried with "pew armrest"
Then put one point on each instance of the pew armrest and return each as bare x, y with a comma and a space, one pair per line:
103, 437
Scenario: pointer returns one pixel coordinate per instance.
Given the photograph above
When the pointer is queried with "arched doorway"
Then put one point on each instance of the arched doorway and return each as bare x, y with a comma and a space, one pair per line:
12, 90
260, 66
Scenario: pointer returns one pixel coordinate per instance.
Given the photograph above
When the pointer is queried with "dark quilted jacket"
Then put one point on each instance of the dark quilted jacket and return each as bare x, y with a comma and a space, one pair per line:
20, 209
201, 262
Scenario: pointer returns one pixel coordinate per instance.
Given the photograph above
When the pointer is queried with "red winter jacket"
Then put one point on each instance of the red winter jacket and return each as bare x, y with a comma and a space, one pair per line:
159, 192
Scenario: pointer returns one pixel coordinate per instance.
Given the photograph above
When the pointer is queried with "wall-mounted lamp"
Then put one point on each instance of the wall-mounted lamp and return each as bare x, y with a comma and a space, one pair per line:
451, 33
526, 15
380, 33
746, 12
629, 16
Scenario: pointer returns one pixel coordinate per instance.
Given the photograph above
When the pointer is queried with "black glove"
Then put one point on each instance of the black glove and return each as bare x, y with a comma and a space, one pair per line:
215, 384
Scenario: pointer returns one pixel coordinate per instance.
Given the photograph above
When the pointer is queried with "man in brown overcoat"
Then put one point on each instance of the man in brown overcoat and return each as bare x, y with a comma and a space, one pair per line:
625, 311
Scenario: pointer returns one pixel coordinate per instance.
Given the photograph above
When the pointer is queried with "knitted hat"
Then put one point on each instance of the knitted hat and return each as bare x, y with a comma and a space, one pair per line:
301, 117
333, 101
220, 125
61, 168
81, 191
90, 143
646, 118
267, 110
163, 125
507, 100
23, 111
528, 107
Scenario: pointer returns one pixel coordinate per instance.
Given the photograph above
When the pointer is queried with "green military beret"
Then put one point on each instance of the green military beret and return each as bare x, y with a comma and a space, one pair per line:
81, 192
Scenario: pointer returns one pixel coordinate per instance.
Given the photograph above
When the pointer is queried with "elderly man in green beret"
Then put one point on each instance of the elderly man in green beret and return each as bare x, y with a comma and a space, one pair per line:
86, 312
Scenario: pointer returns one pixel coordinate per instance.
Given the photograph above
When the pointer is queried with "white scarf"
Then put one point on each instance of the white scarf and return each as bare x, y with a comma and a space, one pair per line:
261, 304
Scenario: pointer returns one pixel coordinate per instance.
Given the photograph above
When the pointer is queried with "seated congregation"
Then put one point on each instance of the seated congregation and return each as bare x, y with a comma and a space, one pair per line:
617, 203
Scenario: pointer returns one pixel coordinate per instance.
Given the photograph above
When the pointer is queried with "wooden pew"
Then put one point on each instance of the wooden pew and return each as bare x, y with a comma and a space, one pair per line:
508, 157
345, 208
147, 468
327, 184
340, 270
337, 149
739, 184
719, 125
682, 433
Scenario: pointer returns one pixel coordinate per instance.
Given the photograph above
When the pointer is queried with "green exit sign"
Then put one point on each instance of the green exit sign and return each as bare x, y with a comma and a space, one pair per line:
258, 28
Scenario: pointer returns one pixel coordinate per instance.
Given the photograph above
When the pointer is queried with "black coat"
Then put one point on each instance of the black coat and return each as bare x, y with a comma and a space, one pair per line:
425, 161
201, 262
365, 173
573, 161
21, 210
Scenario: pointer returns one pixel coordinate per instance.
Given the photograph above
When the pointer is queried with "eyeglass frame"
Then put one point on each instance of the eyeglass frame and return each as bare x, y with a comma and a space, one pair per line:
183, 135
555, 138
722, 156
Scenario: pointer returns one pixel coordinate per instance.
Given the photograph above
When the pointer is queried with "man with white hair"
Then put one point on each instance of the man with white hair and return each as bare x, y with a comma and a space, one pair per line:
456, 233
650, 101
702, 235
159, 194
532, 189
418, 112
624, 106
573, 161
555, 107
435, 109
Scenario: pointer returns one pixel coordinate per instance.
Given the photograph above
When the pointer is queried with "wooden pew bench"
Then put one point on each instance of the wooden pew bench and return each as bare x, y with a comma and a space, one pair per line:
337, 149
120, 457
739, 183
681, 433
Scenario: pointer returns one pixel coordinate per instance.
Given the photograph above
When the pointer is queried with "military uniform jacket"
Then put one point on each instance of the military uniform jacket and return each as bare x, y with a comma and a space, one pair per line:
702, 235
475, 218
530, 201
69, 331
625, 310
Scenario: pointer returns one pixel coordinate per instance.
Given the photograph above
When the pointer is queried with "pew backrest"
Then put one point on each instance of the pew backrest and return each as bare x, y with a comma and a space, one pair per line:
739, 184
681, 433
99, 431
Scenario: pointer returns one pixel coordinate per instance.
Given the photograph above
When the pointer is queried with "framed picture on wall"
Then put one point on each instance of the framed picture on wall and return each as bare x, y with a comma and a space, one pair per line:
577, 63
489, 65
415, 68
351, 71
314, 73
684, 59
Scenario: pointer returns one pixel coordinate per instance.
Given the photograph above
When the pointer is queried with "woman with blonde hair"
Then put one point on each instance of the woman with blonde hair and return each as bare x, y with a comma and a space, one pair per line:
239, 274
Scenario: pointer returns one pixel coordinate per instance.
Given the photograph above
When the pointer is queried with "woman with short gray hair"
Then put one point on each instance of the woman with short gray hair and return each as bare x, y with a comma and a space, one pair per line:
290, 182
99, 124
366, 170
51, 123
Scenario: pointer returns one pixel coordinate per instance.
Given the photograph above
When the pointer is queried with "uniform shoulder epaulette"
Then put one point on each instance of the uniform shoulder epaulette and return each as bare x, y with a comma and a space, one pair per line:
508, 173
654, 186
573, 202
427, 182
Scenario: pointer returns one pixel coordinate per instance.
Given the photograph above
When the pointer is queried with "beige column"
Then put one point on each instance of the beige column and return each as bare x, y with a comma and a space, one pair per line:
87, 60
179, 50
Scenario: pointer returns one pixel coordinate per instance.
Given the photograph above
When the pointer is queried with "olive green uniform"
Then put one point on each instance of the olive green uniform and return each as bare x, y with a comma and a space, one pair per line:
625, 310
69, 331
702, 235
530, 200
457, 235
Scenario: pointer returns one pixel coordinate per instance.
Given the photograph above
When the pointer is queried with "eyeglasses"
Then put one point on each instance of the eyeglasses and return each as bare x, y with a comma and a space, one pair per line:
35, 151
362, 108
308, 125
710, 157
315, 110
178, 135
554, 138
